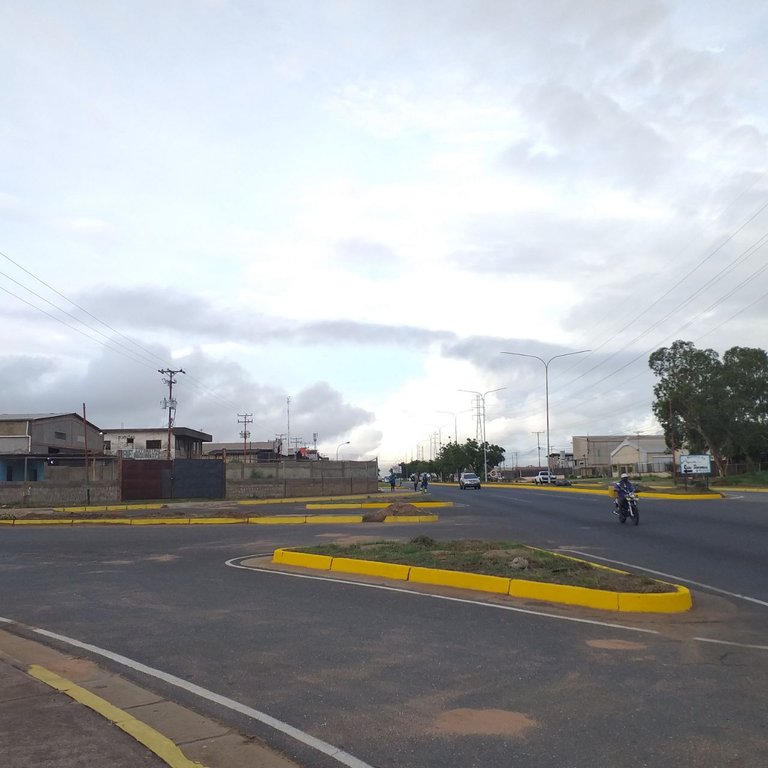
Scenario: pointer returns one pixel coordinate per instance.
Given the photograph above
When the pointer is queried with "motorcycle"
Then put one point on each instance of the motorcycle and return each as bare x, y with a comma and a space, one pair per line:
631, 511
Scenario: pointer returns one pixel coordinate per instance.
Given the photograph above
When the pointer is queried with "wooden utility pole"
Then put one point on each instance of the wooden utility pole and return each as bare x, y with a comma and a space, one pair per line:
245, 434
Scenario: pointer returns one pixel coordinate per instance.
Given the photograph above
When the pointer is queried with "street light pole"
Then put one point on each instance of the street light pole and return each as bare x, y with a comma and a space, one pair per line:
339, 446
455, 427
482, 396
546, 363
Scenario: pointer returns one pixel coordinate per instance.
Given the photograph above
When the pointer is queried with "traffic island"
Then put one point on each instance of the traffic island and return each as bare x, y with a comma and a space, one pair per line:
502, 568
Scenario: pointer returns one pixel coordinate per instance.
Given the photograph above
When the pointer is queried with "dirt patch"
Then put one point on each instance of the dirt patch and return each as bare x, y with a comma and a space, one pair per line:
482, 722
616, 645
394, 509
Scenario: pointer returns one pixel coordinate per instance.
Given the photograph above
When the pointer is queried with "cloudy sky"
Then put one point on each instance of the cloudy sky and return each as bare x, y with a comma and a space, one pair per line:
360, 204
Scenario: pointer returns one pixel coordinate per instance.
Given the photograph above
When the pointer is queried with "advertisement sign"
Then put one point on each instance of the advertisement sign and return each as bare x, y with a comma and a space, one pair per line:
694, 464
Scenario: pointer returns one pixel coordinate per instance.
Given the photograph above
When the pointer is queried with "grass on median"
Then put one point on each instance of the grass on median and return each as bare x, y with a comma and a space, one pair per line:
494, 558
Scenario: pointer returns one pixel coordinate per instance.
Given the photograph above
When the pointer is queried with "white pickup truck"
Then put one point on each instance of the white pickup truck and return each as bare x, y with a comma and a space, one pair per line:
545, 478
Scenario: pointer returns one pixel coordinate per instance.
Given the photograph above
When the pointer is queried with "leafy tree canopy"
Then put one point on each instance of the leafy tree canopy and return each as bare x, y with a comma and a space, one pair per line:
711, 405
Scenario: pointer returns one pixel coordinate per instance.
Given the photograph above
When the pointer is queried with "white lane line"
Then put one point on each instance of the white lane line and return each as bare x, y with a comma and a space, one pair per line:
233, 564
728, 642
7, 621
321, 746
670, 576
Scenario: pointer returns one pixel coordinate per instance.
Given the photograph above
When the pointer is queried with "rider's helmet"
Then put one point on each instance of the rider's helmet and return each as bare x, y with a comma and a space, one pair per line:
624, 476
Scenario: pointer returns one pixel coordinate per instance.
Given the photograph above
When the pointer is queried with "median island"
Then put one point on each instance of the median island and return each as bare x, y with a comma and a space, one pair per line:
494, 558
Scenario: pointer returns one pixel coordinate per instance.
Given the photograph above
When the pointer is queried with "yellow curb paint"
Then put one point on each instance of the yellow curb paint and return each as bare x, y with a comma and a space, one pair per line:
371, 568
160, 745
562, 593
657, 602
304, 560
278, 520
218, 520
160, 521
477, 581
98, 521
411, 518
601, 599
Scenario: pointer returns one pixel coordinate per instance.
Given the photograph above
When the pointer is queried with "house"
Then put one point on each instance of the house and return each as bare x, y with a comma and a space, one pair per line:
29, 442
152, 443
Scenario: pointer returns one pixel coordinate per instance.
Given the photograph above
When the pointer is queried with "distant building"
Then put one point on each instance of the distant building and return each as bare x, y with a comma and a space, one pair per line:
252, 451
31, 441
152, 443
614, 454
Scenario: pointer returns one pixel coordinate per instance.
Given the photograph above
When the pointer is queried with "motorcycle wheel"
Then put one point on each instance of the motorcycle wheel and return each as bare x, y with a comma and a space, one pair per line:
622, 517
635, 514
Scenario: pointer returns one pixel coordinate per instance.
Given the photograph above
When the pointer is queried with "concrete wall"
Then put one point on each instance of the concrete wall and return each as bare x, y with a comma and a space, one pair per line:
287, 479
65, 486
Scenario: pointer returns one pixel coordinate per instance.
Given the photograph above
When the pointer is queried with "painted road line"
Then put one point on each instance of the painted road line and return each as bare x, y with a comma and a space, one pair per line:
671, 577
462, 600
153, 740
342, 757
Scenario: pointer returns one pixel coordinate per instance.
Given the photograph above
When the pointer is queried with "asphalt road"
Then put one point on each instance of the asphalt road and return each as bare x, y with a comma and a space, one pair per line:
397, 677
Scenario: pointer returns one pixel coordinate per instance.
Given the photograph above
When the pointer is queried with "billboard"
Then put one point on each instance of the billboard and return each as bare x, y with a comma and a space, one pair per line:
696, 464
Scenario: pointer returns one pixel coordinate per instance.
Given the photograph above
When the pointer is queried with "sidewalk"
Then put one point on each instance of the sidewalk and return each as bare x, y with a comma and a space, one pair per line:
59, 710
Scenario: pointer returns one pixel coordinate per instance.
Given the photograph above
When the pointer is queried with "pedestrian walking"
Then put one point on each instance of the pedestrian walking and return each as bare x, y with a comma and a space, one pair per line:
424, 482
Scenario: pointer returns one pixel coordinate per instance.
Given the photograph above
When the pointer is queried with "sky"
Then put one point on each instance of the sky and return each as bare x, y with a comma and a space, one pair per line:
336, 216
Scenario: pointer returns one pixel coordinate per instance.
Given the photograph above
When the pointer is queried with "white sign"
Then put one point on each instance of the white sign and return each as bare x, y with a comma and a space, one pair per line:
696, 464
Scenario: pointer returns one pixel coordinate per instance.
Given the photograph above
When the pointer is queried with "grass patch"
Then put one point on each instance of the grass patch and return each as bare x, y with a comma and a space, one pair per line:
493, 558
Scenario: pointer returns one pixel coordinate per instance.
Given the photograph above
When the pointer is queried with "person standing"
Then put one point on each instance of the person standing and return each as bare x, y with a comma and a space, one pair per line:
424, 482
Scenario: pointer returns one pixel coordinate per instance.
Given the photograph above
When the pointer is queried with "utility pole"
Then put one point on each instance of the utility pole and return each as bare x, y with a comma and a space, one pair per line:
538, 446
245, 434
288, 413
170, 403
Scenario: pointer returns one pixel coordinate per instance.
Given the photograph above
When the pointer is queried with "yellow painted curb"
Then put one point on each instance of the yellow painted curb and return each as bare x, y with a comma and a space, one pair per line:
649, 602
562, 593
334, 518
657, 602
460, 579
411, 519
278, 520
371, 568
376, 505
161, 745
303, 560
218, 520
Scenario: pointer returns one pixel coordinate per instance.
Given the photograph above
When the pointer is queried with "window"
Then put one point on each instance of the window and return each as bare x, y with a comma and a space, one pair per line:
60, 435
107, 445
154, 444
129, 441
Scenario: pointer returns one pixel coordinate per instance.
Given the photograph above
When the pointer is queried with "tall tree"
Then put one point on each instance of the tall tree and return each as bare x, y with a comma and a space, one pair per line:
711, 405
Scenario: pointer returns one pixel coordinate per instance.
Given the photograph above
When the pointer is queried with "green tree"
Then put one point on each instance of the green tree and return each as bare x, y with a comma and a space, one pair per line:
709, 405
455, 458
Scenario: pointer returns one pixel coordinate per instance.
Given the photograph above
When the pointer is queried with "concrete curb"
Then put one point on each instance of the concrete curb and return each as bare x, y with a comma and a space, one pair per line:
678, 601
153, 740
272, 520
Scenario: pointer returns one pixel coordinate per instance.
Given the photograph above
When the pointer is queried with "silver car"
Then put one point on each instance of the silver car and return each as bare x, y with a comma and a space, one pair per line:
469, 480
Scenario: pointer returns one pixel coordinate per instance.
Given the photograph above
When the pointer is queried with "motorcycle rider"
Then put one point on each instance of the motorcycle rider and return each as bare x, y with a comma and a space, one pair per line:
623, 488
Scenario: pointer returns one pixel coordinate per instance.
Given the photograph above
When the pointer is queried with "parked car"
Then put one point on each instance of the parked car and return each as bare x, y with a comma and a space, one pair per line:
469, 480
545, 478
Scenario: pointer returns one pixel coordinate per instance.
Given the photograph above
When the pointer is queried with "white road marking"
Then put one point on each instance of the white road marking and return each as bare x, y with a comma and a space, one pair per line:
669, 576
728, 642
466, 601
321, 746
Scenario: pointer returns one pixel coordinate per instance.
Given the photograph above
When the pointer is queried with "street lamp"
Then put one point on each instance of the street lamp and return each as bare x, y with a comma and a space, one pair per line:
455, 427
482, 396
337, 449
546, 363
